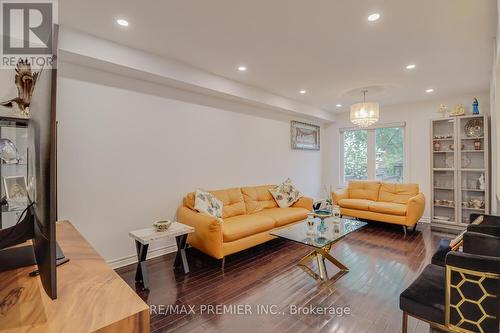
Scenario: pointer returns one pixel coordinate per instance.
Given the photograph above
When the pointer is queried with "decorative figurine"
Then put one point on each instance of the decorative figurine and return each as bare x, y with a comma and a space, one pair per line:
481, 182
8, 152
475, 106
477, 144
25, 81
437, 146
459, 110
443, 110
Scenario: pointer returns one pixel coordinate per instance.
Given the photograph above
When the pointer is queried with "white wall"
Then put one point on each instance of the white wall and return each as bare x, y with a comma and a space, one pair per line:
126, 157
417, 117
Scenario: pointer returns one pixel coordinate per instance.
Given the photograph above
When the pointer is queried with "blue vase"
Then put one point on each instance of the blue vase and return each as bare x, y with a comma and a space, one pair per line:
475, 106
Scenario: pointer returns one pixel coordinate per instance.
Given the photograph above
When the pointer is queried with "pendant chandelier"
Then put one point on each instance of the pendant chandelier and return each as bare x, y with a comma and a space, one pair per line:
364, 114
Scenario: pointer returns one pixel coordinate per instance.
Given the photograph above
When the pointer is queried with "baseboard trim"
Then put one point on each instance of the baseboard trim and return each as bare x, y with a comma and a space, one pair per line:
132, 259
425, 219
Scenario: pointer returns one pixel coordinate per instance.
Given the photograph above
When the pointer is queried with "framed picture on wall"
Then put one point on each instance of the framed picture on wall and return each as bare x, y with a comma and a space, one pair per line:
304, 136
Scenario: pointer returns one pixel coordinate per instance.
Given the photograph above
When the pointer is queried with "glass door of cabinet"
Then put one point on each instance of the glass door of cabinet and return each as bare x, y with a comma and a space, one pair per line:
13, 173
444, 170
473, 175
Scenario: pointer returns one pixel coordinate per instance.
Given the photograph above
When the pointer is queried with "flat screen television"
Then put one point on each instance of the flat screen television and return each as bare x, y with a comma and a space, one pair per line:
37, 222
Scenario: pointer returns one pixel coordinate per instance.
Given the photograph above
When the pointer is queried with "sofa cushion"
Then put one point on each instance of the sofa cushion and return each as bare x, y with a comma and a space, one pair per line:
361, 204
232, 200
242, 226
283, 216
257, 198
388, 208
363, 189
398, 193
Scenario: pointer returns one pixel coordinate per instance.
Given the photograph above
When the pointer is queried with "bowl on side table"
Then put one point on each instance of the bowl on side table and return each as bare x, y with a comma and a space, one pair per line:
162, 225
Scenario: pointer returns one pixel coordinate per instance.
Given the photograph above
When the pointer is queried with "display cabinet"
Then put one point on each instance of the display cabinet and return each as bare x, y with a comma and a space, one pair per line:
459, 170
13, 173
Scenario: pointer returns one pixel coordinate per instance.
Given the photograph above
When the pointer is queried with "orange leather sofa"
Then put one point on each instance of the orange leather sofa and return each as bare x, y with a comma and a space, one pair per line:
385, 202
248, 214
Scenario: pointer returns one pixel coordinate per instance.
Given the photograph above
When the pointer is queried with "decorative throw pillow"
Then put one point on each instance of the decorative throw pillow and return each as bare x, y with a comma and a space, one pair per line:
207, 203
478, 220
286, 194
457, 239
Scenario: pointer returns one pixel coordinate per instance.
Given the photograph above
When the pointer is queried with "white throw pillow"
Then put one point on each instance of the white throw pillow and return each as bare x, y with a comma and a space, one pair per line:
207, 203
286, 194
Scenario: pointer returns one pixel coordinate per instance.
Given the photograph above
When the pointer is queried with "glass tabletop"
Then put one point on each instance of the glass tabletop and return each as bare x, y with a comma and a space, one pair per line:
320, 235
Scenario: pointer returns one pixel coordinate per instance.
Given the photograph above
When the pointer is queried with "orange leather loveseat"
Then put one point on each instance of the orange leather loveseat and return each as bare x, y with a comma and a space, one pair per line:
378, 201
248, 214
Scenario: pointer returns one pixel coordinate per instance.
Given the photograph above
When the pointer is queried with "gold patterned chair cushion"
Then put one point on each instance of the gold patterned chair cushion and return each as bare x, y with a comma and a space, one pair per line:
207, 203
286, 194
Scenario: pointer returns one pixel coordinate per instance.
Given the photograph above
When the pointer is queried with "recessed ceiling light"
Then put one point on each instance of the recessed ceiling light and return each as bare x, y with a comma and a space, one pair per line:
302, 92
429, 90
411, 66
242, 68
373, 17
122, 22
339, 105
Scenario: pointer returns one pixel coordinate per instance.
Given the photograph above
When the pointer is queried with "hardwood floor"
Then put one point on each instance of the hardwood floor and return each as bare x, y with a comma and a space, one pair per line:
382, 264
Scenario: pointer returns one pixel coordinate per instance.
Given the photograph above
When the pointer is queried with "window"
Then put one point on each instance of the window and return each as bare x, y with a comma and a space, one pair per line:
375, 153
355, 155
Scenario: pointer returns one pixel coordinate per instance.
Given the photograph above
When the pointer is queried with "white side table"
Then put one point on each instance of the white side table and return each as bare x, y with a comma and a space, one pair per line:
144, 237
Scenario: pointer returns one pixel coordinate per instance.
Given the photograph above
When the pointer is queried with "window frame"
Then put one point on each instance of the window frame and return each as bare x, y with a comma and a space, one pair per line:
371, 149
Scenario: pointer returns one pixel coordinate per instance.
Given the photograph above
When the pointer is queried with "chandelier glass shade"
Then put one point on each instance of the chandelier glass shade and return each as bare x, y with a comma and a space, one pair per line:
364, 114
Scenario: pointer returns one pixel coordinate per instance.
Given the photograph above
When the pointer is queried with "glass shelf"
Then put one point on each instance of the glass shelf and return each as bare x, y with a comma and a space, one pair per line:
474, 209
17, 132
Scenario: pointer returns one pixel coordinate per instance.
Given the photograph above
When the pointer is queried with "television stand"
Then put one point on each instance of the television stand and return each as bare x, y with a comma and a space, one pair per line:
101, 301
60, 259
17, 257
22, 256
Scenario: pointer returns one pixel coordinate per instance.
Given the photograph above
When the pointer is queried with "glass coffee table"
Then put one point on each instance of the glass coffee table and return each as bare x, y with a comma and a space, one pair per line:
321, 238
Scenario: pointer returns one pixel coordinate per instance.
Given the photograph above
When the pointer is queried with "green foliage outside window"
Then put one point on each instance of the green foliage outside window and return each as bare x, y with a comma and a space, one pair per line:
355, 155
389, 154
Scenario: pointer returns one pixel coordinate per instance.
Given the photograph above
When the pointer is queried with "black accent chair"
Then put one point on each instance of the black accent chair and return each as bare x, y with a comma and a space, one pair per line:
490, 226
462, 296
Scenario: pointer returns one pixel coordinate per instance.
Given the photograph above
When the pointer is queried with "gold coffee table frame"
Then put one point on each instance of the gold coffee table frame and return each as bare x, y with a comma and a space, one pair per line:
321, 254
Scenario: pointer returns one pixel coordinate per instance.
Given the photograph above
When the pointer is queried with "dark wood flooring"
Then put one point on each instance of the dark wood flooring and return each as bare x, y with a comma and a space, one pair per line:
382, 264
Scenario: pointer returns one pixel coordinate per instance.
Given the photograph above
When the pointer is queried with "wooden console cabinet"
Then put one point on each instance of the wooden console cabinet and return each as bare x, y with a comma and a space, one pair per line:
91, 296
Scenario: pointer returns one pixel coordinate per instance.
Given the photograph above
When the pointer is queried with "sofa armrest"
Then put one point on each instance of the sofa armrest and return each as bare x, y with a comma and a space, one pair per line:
339, 195
207, 236
304, 202
415, 210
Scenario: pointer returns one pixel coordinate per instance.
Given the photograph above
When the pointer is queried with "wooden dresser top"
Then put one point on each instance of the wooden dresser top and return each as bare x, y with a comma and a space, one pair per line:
91, 295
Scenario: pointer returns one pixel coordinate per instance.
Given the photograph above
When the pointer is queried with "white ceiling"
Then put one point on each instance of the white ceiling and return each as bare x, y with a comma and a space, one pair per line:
326, 47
